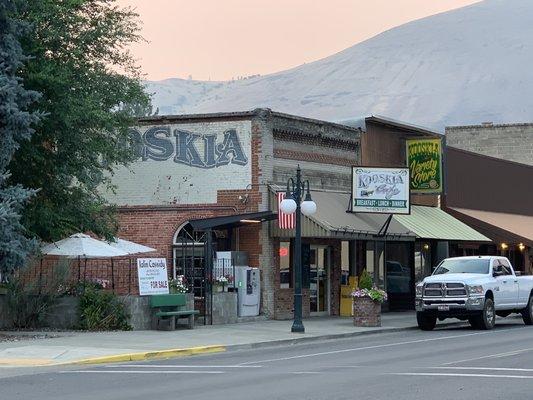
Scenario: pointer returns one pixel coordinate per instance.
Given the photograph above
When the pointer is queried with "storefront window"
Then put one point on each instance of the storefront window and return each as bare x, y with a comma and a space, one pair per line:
379, 261
375, 257
345, 262
369, 266
398, 268
422, 260
285, 265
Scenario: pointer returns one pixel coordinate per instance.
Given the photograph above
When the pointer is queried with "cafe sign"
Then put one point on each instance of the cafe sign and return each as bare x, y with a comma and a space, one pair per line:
380, 190
424, 158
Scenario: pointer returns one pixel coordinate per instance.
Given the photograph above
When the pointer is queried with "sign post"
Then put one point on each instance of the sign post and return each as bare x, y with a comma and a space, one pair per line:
153, 276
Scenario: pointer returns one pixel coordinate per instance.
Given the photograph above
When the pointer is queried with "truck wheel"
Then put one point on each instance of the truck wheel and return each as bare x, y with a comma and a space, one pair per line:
527, 313
426, 322
487, 318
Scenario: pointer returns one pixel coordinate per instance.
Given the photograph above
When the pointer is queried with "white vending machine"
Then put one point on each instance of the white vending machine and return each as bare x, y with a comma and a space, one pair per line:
248, 286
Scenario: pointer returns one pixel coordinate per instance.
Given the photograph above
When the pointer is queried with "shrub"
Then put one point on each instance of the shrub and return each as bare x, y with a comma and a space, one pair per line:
100, 310
365, 280
29, 300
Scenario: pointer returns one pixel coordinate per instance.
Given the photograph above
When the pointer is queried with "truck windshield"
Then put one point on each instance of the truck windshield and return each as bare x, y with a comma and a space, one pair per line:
463, 266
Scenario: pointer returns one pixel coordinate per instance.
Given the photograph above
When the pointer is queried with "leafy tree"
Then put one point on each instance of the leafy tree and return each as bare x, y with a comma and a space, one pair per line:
15, 128
92, 92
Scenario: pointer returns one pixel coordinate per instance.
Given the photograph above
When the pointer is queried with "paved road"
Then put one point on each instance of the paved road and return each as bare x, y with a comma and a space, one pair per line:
452, 363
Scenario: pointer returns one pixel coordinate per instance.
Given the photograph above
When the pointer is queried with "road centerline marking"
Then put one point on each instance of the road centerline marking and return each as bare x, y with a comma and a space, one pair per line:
180, 366
456, 375
374, 347
497, 355
485, 369
125, 372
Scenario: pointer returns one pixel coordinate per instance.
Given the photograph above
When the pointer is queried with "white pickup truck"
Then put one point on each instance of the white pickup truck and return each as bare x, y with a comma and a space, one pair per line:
476, 289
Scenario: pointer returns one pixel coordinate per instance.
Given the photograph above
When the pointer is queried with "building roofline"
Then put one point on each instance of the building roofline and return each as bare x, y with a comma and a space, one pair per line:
490, 126
314, 121
258, 112
402, 125
182, 117
486, 157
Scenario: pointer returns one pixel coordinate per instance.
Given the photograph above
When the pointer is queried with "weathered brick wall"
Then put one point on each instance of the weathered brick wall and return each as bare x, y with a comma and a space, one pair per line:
325, 152
155, 226
262, 145
172, 169
513, 142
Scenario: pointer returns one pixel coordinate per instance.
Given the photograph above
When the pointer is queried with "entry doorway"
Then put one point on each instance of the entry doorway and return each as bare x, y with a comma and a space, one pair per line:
319, 281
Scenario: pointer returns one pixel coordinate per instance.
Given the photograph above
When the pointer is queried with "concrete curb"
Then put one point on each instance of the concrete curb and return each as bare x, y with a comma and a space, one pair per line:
149, 355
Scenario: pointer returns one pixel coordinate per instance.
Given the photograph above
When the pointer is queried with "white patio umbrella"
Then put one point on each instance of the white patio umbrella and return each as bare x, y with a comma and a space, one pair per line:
84, 246
130, 247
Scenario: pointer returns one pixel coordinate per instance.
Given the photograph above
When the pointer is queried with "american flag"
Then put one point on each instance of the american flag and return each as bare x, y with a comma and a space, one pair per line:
285, 221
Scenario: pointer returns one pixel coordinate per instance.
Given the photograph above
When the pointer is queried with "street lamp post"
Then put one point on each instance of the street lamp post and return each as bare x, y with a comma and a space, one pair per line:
290, 204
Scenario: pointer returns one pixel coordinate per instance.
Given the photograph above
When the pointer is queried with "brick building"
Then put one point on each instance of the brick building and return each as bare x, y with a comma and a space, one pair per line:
490, 171
511, 142
209, 181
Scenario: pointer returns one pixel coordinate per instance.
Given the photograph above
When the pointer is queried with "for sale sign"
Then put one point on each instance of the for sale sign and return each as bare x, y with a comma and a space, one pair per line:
152, 275
380, 190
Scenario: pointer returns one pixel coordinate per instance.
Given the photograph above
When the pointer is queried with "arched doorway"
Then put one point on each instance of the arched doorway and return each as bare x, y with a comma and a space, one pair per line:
188, 257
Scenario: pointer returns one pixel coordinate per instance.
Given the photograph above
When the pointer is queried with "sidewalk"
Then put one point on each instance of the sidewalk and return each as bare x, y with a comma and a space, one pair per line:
99, 347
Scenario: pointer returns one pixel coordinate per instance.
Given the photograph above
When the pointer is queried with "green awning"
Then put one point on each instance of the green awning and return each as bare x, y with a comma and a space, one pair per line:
434, 223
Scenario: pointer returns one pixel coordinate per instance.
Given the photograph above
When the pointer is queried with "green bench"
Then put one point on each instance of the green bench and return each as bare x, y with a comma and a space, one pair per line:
168, 309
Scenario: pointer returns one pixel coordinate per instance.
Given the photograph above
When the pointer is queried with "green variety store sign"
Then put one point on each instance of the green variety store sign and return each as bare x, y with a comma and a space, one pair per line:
424, 158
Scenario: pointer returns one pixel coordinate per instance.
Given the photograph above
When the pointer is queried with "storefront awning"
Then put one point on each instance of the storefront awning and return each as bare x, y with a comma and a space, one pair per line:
332, 221
500, 227
232, 221
434, 223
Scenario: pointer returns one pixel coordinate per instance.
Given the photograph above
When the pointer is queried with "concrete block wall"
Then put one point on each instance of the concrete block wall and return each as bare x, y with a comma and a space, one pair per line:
512, 142
224, 308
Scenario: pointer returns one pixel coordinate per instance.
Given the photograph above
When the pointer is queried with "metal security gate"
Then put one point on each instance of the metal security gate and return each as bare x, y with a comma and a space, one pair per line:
192, 252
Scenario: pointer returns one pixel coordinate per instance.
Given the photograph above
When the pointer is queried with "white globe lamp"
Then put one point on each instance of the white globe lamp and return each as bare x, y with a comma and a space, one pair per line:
308, 207
288, 205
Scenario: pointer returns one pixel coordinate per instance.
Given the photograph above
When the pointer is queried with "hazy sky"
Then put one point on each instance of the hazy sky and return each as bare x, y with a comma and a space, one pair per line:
221, 39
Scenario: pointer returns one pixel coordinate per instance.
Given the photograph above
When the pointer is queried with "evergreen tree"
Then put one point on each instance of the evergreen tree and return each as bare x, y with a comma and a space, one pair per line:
15, 128
92, 93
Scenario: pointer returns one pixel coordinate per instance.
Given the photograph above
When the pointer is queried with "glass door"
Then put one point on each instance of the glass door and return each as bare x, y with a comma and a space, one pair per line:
319, 284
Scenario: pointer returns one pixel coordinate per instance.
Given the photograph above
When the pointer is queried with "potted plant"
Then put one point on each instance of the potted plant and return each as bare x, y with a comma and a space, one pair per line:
221, 282
177, 285
367, 300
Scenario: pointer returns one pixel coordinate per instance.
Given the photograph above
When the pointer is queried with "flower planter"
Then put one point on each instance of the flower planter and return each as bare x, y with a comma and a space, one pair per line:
366, 312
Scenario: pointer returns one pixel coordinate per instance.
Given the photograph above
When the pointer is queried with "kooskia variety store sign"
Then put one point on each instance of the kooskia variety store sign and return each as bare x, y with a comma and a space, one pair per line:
424, 157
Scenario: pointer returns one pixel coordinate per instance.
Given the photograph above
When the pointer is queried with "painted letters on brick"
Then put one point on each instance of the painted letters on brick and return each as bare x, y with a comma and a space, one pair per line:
185, 163
156, 145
